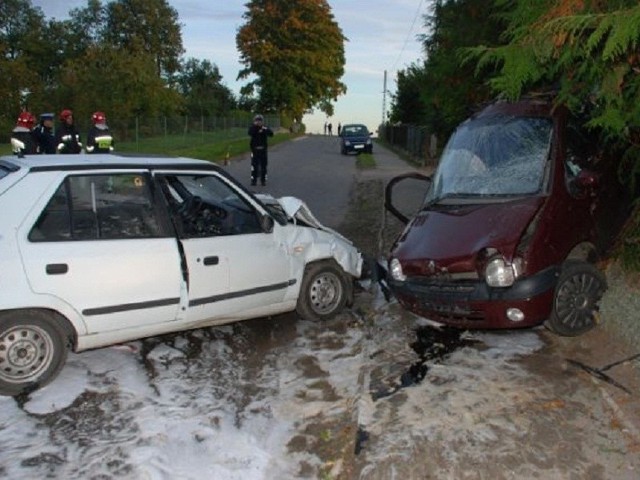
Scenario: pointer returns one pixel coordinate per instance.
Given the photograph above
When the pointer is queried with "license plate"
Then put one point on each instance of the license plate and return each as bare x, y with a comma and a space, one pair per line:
358, 146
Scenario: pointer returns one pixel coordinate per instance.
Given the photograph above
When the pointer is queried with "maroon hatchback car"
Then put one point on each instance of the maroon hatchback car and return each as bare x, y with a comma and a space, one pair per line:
507, 235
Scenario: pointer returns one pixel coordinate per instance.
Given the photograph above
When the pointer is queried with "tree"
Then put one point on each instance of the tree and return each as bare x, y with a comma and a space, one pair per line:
586, 50
124, 85
22, 36
444, 90
200, 83
409, 86
149, 26
299, 63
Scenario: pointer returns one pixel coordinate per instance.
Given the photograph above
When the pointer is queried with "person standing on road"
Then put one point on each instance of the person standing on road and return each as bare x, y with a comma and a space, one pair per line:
329, 128
23, 140
99, 139
67, 137
44, 135
339, 128
259, 133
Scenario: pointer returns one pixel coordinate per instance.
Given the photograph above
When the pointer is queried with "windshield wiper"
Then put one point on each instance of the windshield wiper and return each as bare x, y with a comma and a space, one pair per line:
440, 198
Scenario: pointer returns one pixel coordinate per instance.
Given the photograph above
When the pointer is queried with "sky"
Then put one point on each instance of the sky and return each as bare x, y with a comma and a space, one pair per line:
382, 36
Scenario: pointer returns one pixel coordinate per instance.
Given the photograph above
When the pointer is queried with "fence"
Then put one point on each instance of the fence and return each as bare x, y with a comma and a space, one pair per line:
415, 140
134, 129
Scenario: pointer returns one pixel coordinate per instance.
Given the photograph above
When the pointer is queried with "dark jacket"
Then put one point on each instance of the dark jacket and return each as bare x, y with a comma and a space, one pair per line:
68, 139
23, 141
99, 139
45, 139
259, 137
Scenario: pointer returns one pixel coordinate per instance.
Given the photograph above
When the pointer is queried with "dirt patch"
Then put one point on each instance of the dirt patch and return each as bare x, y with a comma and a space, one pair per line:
366, 223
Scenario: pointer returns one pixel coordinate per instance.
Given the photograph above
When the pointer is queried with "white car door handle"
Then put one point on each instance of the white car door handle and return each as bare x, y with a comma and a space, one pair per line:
57, 268
208, 261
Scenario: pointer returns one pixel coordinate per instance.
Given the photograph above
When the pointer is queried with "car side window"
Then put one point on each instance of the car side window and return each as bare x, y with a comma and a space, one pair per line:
98, 207
207, 206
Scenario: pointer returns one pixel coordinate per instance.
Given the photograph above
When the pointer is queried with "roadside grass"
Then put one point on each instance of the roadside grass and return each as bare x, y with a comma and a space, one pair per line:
365, 160
214, 147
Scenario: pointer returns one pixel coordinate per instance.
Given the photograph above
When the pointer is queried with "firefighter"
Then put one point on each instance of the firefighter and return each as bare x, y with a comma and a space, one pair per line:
67, 137
23, 141
99, 139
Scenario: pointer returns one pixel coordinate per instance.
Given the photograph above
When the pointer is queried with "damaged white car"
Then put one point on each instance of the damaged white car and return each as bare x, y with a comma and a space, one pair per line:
101, 249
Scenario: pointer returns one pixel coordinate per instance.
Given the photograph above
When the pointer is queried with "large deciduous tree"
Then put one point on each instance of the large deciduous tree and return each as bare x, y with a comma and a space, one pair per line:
295, 50
200, 84
150, 26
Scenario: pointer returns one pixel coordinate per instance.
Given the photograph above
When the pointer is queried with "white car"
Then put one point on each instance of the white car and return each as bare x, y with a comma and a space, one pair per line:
102, 249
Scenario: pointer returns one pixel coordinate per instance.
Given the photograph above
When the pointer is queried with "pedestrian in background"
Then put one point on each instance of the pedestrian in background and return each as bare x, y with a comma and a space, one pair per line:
23, 140
329, 127
99, 139
67, 136
339, 128
258, 143
44, 135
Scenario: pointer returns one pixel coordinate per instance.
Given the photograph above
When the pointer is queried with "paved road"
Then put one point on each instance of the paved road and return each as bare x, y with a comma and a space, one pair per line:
312, 169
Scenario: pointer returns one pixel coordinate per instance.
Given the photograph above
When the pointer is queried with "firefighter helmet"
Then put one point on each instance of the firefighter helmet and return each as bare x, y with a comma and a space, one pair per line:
98, 117
64, 114
26, 119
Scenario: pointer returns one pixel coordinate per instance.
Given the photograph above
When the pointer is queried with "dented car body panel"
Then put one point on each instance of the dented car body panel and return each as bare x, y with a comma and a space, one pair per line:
509, 206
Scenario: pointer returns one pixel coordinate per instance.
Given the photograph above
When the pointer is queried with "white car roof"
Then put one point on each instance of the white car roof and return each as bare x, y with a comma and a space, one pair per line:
93, 161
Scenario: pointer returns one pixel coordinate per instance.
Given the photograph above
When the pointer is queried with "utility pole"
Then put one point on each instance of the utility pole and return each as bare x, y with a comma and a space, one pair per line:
384, 99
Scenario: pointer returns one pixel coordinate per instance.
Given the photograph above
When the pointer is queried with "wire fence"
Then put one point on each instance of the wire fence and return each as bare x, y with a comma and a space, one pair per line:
138, 128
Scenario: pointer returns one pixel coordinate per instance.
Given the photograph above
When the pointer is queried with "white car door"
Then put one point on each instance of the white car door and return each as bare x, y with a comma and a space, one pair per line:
233, 265
99, 245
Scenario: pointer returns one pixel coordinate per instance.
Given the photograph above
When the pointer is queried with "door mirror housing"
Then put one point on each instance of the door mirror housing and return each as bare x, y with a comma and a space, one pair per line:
266, 223
409, 199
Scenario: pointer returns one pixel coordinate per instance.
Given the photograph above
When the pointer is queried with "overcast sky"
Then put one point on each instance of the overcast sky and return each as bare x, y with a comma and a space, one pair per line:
381, 33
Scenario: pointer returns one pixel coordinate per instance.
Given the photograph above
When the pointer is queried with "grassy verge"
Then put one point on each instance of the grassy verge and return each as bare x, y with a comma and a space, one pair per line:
365, 160
215, 147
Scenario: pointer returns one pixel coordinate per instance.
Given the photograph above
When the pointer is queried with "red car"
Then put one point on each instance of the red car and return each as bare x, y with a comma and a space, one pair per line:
507, 235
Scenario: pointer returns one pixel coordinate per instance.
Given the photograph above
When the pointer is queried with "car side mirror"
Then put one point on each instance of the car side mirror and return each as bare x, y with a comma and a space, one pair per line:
409, 198
266, 223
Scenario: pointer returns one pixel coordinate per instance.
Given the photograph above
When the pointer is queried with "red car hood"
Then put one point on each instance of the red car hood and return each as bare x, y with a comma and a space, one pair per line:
451, 236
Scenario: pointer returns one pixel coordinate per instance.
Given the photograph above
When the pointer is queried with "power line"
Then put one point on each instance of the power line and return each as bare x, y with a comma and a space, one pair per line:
406, 40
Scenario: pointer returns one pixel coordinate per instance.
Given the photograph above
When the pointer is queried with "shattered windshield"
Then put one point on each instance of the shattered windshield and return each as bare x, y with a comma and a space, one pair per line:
499, 155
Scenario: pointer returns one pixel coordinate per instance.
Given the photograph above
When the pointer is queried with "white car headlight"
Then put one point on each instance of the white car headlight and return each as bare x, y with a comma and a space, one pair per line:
347, 143
499, 273
396, 270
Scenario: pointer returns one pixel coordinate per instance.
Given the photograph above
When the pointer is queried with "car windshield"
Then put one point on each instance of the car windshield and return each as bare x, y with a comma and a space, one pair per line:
355, 131
497, 155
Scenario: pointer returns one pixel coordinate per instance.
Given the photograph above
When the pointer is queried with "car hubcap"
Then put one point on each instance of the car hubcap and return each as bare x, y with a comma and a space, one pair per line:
326, 292
576, 301
25, 352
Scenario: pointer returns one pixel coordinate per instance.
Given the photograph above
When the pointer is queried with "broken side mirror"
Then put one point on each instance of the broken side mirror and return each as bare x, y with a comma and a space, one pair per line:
266, 223
404, 201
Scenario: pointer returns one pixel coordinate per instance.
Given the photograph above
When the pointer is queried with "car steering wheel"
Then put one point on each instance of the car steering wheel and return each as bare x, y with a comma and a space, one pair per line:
190, 207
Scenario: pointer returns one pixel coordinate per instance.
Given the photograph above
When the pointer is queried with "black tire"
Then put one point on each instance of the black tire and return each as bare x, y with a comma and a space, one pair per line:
575, 301
324, 292
33, 349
